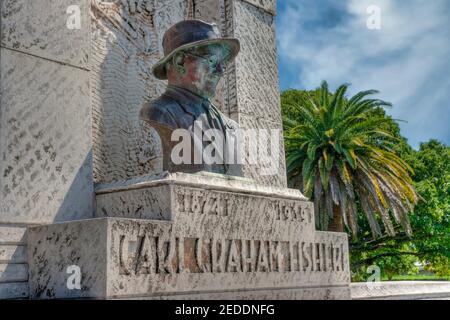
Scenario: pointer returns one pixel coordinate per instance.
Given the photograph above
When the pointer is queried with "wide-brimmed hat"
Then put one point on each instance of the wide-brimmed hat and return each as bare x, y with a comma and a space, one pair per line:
191, 33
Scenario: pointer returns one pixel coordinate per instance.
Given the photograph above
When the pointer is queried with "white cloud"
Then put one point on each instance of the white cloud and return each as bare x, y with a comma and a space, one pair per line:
407, 60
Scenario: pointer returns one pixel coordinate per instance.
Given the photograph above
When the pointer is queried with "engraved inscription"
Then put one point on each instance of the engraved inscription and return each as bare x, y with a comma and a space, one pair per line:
201, 202
172, 255
198, 201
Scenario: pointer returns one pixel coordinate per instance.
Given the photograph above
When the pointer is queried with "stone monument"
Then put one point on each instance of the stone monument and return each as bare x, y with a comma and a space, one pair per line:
87, 207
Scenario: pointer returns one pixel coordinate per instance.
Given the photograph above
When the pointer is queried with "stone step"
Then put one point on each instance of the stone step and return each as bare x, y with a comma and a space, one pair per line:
13, 272
13, 235
14, 290
13, 253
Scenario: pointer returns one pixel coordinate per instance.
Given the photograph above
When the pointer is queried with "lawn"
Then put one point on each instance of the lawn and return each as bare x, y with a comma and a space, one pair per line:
418, 277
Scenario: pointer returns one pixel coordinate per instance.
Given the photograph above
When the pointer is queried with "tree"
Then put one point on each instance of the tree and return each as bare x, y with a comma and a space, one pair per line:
430, 220
340, 153
397, 265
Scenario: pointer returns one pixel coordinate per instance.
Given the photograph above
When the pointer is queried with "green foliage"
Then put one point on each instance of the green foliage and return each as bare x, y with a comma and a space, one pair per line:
430, 220
393, 265
311, 128
439, 265
390, 264
340, 152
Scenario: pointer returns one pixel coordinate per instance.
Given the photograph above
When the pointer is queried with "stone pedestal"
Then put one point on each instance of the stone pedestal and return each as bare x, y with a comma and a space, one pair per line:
191, 236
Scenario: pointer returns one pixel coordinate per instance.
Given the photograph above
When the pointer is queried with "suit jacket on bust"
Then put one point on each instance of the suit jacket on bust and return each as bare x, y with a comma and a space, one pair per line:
179, 108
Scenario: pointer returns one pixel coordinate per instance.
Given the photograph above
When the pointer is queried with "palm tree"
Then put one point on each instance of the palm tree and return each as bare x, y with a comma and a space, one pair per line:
339, 152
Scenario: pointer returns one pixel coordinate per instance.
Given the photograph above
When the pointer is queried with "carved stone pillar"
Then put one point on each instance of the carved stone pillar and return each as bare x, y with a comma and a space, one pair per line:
45, 125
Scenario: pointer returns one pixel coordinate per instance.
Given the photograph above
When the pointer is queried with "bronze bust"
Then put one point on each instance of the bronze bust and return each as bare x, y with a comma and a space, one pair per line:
194, 61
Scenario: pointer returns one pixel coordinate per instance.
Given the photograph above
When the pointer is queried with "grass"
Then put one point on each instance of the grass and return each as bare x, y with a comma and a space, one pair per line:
417, 277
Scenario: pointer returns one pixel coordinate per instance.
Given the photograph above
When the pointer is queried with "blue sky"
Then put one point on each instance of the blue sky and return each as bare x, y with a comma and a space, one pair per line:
407, 60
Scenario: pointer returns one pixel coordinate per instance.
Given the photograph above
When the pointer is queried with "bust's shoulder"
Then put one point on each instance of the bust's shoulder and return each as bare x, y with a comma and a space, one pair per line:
160, 112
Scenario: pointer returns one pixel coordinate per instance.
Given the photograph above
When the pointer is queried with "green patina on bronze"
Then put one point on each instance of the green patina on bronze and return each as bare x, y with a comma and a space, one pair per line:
199, 69
194, 62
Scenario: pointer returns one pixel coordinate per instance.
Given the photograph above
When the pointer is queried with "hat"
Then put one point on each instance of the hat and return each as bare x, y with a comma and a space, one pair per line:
187, 34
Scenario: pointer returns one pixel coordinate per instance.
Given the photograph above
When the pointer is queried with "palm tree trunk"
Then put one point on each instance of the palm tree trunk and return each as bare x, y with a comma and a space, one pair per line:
336, 224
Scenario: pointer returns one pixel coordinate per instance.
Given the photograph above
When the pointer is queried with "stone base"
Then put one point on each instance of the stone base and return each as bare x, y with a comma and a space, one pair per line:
228, 240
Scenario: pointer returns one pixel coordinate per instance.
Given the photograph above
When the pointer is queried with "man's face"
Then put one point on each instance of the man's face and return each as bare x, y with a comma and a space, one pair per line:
203, 68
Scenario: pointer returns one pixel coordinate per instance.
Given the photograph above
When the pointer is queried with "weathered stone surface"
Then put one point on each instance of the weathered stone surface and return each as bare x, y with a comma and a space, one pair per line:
40, 27
13, 272
330, 293
162, 197
218, 233
154, 203
13, 262
126, 43
154, 258
256, 82
205, 179
13, 254
400, 290
14, 290
45, 141
80, 243
13, 235
256, 72
267, 5
268, 144
45, 126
